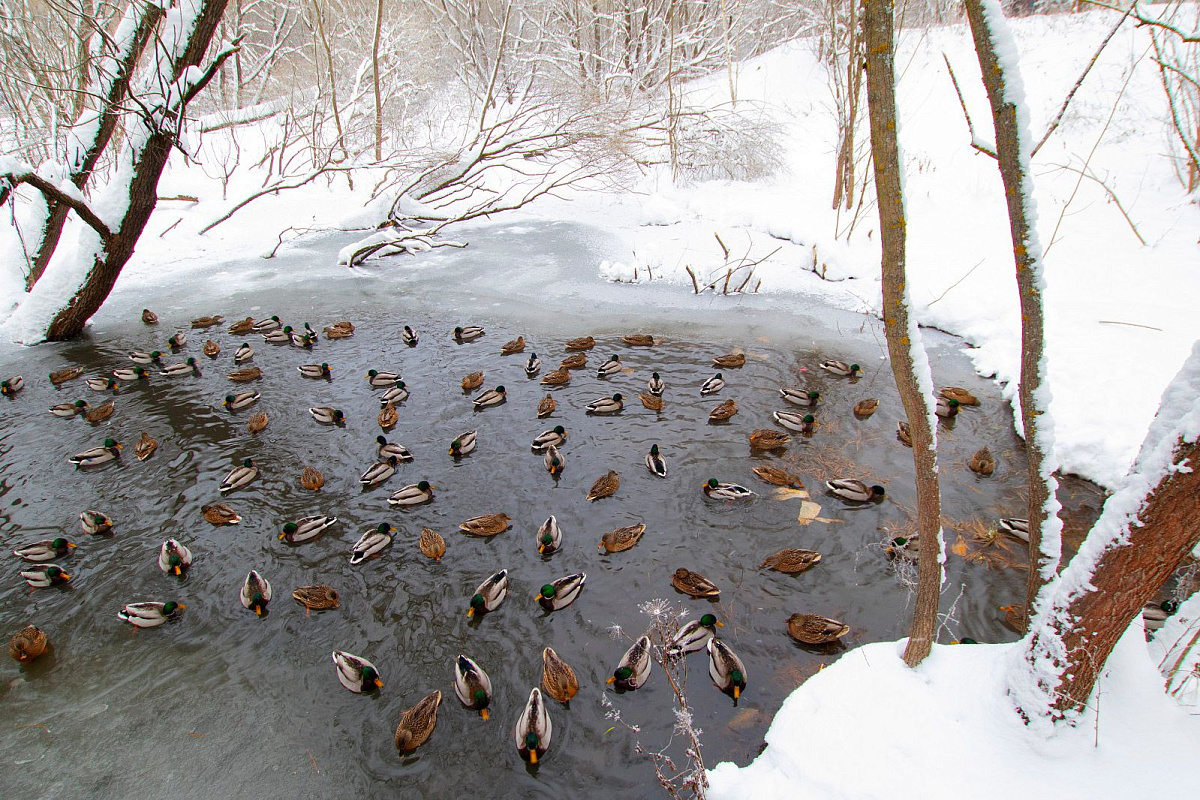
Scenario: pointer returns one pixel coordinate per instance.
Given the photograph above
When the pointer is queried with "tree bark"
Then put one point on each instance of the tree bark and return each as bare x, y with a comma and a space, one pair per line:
903, 338
1012, 155
375, 81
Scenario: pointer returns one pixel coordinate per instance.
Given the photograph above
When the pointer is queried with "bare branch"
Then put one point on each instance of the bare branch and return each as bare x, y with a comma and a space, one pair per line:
52, 192
986, 149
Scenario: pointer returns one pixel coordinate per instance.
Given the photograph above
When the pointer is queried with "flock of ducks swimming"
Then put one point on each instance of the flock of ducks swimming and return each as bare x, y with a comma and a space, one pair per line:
532, 731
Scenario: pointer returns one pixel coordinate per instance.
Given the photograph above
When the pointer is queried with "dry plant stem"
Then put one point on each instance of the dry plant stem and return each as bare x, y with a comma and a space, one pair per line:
1086, 172
1004, 115
881, 101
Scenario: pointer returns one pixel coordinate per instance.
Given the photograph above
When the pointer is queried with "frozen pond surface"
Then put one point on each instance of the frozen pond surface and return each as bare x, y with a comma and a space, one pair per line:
223, 703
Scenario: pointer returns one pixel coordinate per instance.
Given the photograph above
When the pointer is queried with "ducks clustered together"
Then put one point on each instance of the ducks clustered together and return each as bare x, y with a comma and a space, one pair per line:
533, 729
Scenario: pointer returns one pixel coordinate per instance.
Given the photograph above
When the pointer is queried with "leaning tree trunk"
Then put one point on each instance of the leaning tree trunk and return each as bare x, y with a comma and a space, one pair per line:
1148, 527
909, 362
149, 150
1013, 147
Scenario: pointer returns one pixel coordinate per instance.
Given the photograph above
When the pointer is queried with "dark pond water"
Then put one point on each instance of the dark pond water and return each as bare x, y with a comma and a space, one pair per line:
224, 703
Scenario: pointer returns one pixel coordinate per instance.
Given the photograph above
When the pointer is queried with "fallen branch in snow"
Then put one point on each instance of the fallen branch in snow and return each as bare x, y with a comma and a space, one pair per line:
391, 242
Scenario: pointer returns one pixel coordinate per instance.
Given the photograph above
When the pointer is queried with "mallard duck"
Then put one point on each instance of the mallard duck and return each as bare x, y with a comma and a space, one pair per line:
1014, 617
983, 462
409, 336
381, 379
145, 447
43, 576
486, 524
432, 544
558, 678
463, 443
533, 729
472, 381
339, 330
549, 536
655, 462
103, 385
245, 375
28, 643
559, 377
904, 433
606, 405
109, 451
388, 417
959, 394
574, 361
555, 436
315, 371
281, 336
723, 411
412, 495
304, 339
730, 361
489, 594
715, 490
467, 333
492, 397
946, 409
655, 386
240, 400
713, 385
257, 422
182, 368
472, 685
513, 347
854, 490
1155, 613
905, 547
242, 327
532, 365
95, 523
211, 349
305, 529
767, 439
327, 415
46, 550
356, 673
149, 317
638, 340
778, 477
610, 367
801, 423
622, 538
605, 486
61, 376
561, 592
389, 449
694, 584
841, 368
255, 592
131, 374
239, 476
727, 671
220, 514
207, 322
865, 408
101, 412
651, 401
150, 615
581, 343
379, 471
417, 723
791, 560
272, 323
177, 341
554, 461
312, 479
70, 409
815, 629
396, 394
546, 407
694, 636
141, 357
243, 354
174, 557
634, 667
1018, 528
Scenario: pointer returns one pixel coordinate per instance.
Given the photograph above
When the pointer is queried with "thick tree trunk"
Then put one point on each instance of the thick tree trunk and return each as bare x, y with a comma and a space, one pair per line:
903, 338
1012, 152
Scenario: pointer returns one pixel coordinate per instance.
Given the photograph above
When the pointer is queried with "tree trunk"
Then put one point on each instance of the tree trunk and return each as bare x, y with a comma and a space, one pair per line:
905, 349
1012, 150
148, 165
375, 81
